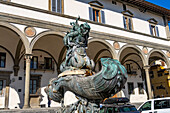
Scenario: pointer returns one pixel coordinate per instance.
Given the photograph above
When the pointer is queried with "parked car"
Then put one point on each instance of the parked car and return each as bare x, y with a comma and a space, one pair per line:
117, 105
159, 105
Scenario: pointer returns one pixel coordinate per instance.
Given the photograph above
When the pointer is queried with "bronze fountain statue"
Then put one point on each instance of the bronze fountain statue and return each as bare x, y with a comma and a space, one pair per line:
78, 77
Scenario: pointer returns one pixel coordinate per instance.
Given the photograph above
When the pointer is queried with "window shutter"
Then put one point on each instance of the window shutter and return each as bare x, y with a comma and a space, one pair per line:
157, 31
58, 6
102, 16
53, 4
130, 24
124, 21
151, 32
90, 13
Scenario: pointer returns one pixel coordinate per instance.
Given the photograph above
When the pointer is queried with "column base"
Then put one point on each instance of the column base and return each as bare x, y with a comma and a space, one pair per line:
26, 107
4, 109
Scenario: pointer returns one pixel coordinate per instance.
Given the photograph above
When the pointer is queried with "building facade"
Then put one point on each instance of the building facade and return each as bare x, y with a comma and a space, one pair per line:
160, 81
31, 45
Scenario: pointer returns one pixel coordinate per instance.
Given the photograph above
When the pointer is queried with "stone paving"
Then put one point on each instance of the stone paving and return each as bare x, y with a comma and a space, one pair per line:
38, 110
44, 110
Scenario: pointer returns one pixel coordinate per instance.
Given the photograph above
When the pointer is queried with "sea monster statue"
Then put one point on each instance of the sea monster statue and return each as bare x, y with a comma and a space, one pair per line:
78, 77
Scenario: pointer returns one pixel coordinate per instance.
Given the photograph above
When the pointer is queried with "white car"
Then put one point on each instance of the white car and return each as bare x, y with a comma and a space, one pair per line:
159, 105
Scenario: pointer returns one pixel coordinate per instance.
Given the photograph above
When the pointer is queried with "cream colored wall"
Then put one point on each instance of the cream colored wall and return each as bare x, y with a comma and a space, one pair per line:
112, 12
16, 98
142, 25
9, 62
135, 98
73, 8
2, 102
13, 95
42, 4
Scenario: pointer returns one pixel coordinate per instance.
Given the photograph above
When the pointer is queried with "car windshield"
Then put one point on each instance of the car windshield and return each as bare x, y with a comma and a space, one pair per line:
127, 109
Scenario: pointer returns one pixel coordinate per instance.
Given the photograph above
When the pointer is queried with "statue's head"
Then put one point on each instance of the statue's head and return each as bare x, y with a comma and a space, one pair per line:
85, 28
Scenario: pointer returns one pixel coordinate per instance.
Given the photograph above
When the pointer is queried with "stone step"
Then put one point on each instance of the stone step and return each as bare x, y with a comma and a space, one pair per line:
37, 110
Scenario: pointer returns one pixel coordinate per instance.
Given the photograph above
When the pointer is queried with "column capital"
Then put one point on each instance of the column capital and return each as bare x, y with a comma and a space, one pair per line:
28, 56
146, 67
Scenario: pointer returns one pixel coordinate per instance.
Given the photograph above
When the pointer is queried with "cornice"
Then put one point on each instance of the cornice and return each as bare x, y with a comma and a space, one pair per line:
35, 22
146, 6
106, 36
6, 72
63, 28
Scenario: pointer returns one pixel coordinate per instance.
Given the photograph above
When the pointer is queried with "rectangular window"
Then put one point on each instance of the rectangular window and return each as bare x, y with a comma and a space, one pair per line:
34, 62
154, 30
35, 81
140, 87
131, 88
55, 5
162, 104
2, 60
127, 23
48, 63
1, 87
96, 15
128, 68
34, 85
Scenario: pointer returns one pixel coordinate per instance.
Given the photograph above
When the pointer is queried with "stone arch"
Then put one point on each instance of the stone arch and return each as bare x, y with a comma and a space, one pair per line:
60, 59
160, 52
110, 47
47, 53
19, 33
35, 39
141, 54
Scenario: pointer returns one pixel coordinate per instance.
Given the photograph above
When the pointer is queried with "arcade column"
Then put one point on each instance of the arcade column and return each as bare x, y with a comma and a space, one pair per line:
28, 58
148, 81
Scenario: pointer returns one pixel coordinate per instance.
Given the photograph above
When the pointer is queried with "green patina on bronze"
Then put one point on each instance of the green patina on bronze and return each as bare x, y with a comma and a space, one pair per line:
76, 42
89, 88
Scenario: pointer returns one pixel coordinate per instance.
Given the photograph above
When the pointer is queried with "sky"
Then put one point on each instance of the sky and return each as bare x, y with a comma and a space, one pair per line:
162, 3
